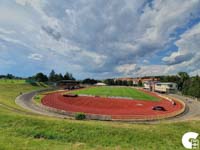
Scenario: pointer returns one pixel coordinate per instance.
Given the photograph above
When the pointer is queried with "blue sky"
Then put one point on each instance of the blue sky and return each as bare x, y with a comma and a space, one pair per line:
100, 38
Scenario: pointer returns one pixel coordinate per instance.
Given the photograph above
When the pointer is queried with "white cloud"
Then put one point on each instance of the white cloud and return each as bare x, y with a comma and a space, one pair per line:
103, 37
4, 31
154, 70
145, 61
188, 46
35, 56
127, 69
195, 72
13, 41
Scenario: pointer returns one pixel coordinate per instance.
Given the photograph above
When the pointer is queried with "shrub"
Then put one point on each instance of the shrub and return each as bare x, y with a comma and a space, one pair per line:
80, 116
36, 97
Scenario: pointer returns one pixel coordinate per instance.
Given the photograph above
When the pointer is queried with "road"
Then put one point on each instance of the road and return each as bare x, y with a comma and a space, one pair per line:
192, 108
26, 102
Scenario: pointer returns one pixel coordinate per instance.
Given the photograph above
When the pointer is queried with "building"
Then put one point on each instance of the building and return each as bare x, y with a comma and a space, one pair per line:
147, 85
166, 87
100, 84
150, 85
68, 84
144, 80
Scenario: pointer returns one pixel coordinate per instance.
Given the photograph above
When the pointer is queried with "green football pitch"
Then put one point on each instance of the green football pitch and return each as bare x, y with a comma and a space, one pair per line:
112, 91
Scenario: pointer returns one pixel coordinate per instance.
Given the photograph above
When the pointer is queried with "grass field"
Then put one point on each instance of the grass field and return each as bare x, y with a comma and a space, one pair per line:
31, 132
14, 81
108, 91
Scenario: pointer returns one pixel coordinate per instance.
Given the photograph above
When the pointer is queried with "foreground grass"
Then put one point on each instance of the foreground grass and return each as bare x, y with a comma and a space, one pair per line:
22, 132
117, 92
35, 133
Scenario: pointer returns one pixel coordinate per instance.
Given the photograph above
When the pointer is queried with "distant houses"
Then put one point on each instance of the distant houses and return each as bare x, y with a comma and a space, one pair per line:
137, 81
152, 84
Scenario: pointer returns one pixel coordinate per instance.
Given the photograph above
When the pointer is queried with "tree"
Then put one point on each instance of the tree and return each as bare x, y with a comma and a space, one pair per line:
68, 76
109, 82
186, 86
183, 76
10, 76
89, 81
71, 77
52, 76
118, 82
40, 77
140, 83
125, 83
192, 87
60, 77
130, 83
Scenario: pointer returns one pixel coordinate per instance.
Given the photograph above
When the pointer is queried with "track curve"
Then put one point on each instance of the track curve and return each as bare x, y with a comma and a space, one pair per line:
26, 101
114, 108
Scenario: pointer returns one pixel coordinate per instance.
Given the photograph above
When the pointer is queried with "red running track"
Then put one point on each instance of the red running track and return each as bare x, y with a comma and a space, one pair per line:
109, 106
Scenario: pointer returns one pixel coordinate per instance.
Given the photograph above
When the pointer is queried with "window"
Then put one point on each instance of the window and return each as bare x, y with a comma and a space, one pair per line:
170, 85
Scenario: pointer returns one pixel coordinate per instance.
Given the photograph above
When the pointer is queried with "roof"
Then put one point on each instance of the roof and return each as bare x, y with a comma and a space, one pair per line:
165, 83
139, 79
67, 81
99, 83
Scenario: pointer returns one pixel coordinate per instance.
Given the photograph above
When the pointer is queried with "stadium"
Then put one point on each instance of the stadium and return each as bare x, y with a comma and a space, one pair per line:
99, 74
113, 103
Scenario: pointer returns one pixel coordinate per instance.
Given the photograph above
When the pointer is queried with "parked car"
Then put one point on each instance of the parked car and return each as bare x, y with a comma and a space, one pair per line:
159, 108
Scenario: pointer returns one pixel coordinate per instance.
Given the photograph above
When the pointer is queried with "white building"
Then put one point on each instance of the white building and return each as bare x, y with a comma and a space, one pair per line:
100, 84
146, 85
166, 87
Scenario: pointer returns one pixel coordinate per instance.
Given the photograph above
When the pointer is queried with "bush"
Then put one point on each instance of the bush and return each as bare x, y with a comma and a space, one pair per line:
80, 116
36, 97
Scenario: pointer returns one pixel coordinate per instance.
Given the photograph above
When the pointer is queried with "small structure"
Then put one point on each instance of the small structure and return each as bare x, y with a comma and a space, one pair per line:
150, 85
68, 84
100, 84
166, 87
146, 85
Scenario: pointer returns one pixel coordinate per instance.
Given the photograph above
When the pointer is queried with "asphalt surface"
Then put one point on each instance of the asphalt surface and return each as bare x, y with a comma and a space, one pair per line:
26, 101
192, 111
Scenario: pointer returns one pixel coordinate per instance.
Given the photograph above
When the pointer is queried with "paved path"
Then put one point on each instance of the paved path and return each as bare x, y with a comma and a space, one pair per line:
192, 108
26, 101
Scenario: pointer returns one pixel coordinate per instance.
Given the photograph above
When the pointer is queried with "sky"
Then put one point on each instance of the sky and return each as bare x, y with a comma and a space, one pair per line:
100, 38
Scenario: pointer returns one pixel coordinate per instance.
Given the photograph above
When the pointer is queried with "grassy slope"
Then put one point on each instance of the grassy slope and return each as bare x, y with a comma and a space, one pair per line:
117, 91
19, 131
13, 81
9, 91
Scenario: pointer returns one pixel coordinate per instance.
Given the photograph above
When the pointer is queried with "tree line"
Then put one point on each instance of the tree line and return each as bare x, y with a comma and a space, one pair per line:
53, 77
9, 76
186, 84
